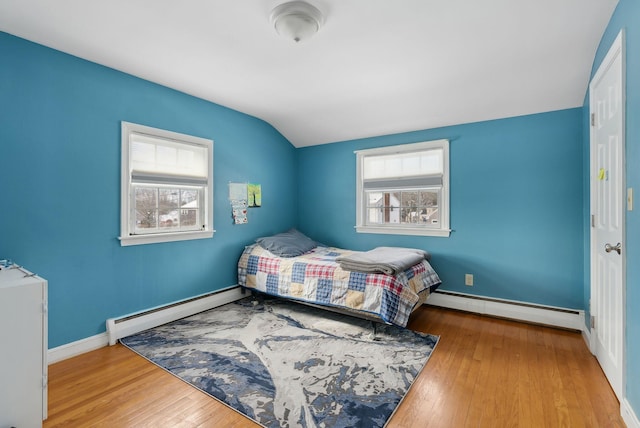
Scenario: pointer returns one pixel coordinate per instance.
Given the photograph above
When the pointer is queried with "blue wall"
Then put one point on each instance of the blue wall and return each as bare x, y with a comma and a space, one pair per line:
60, 174
516, 205
627, 17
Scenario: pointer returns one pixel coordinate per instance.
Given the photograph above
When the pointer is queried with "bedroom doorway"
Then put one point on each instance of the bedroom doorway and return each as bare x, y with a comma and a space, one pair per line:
607, 183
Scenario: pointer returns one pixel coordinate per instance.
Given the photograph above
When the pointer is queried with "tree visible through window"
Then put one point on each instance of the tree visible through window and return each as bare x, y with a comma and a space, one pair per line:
169, 208
403, 207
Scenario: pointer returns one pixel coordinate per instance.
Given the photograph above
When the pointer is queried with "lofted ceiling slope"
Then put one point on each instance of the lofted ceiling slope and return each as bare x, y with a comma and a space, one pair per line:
376, 67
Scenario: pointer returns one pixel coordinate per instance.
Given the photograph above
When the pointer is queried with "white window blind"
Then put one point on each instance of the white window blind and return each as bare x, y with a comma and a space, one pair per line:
159, 159
421, 163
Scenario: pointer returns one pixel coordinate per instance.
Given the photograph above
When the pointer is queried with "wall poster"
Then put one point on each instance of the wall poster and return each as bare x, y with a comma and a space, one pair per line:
238, 200
254, 192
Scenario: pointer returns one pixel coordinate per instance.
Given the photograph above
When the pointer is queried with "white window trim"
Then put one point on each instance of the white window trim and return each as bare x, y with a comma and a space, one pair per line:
443, 230
126, 238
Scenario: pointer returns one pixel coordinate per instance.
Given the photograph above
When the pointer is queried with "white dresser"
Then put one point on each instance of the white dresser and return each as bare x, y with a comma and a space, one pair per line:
23, 348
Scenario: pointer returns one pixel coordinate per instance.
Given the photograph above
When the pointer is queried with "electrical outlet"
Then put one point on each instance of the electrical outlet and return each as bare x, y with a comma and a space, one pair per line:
468, 279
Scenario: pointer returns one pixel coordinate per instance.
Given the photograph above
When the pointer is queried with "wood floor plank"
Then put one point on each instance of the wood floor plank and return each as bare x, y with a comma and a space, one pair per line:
484, 372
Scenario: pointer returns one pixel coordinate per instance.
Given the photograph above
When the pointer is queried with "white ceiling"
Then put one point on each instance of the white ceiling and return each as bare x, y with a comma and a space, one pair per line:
376, 67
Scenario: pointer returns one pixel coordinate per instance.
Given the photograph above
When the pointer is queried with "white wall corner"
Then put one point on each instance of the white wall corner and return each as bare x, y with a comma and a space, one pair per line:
586, 335
628, 415
76, 348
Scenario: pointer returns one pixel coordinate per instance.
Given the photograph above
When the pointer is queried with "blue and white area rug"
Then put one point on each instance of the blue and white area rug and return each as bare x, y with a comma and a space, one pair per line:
283, 364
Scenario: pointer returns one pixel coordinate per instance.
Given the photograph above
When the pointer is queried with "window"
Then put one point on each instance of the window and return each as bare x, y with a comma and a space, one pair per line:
167, 186
404, 189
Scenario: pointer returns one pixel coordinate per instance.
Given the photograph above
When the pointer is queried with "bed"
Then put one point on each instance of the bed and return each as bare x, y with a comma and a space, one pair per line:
315, 274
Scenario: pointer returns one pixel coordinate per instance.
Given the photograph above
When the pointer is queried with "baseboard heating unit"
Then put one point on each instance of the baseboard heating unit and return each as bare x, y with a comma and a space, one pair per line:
572, 319
133, 323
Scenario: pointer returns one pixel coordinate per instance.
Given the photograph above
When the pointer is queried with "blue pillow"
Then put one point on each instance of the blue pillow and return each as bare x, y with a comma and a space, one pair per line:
287, 244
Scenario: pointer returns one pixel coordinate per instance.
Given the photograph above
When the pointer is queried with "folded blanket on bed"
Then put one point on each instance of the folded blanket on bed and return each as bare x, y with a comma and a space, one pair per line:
389, 260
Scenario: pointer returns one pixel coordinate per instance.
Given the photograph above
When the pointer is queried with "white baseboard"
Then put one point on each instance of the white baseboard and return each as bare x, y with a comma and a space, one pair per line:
144, 320
76, 348
133, 323
520, 311
628, 415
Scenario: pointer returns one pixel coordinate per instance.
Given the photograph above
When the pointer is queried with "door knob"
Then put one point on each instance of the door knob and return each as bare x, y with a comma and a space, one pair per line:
609, 248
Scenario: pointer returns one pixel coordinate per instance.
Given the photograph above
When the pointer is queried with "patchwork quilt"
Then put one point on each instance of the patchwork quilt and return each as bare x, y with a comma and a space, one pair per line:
315, 277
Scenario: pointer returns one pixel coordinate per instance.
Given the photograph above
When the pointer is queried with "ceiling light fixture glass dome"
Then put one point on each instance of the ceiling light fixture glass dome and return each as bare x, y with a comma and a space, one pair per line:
296, 20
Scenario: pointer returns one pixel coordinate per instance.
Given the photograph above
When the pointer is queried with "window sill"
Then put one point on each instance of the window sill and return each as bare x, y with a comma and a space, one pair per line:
414, 231
157, 238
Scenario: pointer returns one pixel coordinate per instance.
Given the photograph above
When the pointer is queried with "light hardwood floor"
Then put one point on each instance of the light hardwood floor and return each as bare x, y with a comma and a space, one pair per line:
484, 372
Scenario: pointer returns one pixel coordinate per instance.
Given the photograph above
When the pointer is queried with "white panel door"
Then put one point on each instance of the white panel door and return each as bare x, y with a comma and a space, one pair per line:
607, 209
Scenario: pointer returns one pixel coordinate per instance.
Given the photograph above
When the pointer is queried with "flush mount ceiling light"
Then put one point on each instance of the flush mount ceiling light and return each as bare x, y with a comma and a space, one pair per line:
296, 20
